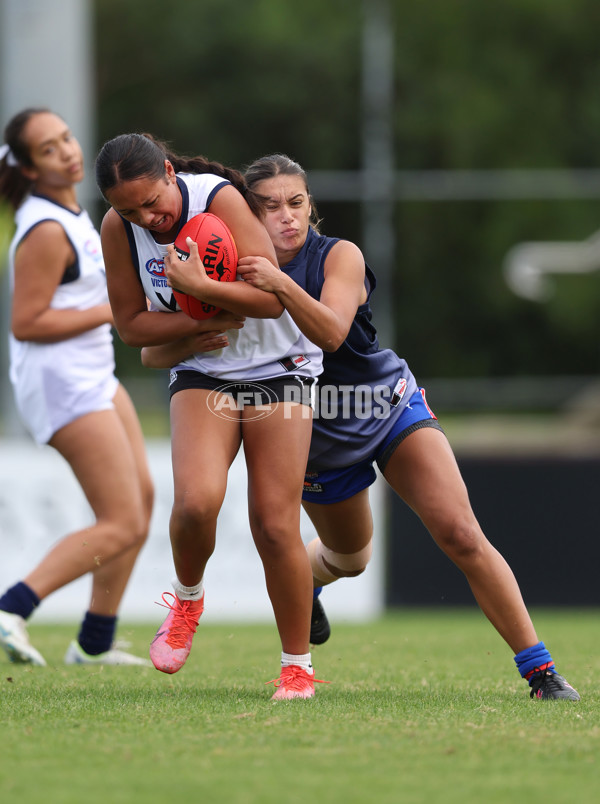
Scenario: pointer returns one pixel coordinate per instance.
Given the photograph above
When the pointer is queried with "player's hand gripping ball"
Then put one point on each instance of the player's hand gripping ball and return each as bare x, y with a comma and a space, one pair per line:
218, 253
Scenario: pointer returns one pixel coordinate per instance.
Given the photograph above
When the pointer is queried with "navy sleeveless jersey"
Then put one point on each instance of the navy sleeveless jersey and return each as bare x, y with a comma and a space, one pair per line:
363, 389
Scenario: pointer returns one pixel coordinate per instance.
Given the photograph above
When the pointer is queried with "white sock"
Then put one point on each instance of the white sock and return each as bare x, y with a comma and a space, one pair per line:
303, 660
188, 592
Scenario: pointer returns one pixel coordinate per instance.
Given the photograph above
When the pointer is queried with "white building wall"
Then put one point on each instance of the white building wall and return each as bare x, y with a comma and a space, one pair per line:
40, 501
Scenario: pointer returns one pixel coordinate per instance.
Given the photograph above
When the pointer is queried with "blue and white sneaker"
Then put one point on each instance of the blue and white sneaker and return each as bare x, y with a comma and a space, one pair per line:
76, 655
15, 640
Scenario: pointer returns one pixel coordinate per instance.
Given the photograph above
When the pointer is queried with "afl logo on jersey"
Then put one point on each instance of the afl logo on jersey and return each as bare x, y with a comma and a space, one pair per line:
92, 249
156, 269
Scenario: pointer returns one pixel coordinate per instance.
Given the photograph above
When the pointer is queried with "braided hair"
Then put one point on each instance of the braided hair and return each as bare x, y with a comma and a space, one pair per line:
135, 156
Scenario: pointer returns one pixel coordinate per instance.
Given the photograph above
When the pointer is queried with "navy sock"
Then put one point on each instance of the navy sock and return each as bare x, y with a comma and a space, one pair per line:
19, 599
317, 591
97, 633
532, 661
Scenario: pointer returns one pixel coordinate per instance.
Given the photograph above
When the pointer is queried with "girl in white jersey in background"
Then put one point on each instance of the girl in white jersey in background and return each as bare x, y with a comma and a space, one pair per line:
62, 370
153, 193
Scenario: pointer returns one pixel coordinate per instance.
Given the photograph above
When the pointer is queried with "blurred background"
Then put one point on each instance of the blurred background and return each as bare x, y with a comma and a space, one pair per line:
458, 143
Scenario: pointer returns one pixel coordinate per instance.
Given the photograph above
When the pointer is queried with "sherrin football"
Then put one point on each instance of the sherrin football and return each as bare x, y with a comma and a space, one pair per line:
218, 253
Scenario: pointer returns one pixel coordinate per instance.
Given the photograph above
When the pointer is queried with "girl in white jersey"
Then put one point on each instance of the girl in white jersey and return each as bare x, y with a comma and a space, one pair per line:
246, 392
62, 371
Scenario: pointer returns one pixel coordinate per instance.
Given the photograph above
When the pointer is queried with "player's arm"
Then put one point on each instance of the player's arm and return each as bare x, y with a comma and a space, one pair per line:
250, 237
215, 337
136, 325
325, 322
170, 354
40, 262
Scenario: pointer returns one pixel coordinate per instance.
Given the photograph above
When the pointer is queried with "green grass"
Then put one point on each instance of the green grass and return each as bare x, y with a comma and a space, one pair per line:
424, 706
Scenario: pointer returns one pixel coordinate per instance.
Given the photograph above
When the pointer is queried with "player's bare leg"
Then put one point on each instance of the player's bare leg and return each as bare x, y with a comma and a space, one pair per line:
424, 473
97, 450
106, 452
276, 450
341, 549
203, 446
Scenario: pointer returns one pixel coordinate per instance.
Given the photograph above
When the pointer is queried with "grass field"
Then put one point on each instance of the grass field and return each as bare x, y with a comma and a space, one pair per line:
424, 706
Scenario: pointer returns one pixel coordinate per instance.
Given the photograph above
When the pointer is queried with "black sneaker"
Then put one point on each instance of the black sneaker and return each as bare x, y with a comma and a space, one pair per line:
320, 629
552, 685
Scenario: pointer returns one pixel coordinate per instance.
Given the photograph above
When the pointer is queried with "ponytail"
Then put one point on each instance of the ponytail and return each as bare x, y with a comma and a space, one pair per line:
135, 156
14, 186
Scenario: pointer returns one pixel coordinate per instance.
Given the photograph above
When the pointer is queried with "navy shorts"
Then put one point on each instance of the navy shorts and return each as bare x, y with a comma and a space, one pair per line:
262, 392
336, 485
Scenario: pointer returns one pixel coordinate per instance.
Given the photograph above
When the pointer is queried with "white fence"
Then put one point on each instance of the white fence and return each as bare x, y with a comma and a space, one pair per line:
40, 501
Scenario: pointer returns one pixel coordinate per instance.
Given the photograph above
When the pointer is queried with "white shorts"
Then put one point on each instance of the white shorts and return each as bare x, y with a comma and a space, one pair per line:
55, 384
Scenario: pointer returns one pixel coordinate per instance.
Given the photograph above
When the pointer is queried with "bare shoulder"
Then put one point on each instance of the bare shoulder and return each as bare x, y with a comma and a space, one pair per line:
345, 255
228, 194
251, 237
347, 250
47, 240
44, 231
112, 224
231, 206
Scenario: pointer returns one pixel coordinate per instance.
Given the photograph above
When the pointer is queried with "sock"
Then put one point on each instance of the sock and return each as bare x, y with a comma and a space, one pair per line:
19, 599
531, 661
97, 633
303, 660
317, 591
188, 592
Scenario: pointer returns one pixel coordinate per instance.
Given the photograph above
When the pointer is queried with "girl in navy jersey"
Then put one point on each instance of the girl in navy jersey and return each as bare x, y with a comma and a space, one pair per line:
373, 411
218, 398
62, 371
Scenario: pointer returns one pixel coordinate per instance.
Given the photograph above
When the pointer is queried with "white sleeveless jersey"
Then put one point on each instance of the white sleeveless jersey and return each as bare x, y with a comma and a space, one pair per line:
55, 383
263, 347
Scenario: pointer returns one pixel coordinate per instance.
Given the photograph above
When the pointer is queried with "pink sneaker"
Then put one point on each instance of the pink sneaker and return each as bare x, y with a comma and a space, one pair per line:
294, 682
173, 641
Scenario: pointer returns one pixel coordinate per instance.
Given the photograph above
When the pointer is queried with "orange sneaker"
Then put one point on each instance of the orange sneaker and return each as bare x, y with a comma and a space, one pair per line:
294, 682
173, 641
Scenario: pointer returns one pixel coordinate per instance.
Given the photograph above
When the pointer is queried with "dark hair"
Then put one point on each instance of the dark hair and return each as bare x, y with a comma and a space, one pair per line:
135, 156
267, 167
14, 186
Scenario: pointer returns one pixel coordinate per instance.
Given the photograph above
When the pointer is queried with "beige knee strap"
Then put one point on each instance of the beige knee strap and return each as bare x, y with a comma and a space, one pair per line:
328, 566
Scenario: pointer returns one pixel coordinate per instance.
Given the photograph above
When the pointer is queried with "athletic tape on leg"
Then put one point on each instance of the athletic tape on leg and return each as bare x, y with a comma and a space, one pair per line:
325, 562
